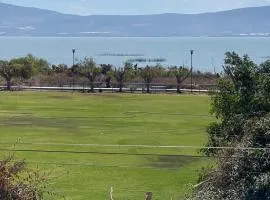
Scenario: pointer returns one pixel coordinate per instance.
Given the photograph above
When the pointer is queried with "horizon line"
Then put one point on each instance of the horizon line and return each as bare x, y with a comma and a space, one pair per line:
150, 14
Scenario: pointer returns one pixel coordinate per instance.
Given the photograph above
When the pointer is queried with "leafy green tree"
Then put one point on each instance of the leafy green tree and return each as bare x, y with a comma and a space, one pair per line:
149, 73
108, 79
15, 69
7, 72
106, 70
265, 67
89, 69
181, 74
119, 74
39, 65
240, 138
123, 74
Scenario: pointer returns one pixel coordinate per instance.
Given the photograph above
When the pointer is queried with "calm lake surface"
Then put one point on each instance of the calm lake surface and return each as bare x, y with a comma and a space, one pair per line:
209, 52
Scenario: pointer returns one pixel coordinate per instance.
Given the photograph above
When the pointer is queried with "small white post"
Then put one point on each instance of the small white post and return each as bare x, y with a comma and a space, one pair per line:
111, 193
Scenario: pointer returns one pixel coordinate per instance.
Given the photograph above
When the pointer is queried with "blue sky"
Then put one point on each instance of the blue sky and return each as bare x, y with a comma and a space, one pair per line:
89, 7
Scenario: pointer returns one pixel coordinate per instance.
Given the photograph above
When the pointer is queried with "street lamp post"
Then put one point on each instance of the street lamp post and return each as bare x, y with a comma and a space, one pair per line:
73, 81
191, 69
73, 53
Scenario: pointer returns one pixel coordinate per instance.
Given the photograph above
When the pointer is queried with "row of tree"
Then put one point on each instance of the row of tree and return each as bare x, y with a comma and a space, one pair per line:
26, 67
91, 71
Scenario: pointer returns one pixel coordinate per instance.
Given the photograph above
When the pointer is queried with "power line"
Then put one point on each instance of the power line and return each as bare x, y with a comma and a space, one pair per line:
95, 152
129, 113
115, 153
139, 146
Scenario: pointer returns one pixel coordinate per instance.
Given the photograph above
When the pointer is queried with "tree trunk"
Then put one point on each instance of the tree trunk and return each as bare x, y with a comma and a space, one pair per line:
120, 87
83, 87
178, 89
91, 83
8, 84
92, 87
108, 82
148, 87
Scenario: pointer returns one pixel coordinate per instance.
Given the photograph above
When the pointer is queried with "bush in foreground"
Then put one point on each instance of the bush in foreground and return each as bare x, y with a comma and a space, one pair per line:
19, 183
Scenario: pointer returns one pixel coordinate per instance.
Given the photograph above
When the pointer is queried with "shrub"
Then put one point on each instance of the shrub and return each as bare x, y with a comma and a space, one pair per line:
19, 183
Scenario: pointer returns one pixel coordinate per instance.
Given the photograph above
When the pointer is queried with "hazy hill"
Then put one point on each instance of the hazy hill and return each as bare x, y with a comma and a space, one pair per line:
22, 21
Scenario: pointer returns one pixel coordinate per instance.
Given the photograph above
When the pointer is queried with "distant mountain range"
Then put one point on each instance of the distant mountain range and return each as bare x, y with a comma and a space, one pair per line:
23, 21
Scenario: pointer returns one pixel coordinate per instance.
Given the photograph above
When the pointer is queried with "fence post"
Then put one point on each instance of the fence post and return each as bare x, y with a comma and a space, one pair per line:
111, 193
149, 195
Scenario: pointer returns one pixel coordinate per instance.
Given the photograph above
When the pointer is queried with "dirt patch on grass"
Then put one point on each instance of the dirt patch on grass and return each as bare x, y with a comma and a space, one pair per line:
27, 120
60, 97
171, 162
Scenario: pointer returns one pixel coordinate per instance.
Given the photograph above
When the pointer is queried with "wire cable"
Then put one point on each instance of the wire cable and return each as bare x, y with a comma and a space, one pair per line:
138, 146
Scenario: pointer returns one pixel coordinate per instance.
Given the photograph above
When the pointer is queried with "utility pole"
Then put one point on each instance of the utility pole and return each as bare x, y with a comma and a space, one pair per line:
191, 69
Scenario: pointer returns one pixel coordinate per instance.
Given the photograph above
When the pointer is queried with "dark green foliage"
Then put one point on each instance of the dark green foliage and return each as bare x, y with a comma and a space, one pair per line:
15, 69
242, 107
7, 72
106, 71
149, 73
39, 65
243, 94
123, 74
88, 68
23, 67
241, 173
61, 68
265, 67
119, 75
105, 68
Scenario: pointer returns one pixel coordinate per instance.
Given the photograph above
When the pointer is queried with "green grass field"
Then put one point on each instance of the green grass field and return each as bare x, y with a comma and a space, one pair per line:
52, 121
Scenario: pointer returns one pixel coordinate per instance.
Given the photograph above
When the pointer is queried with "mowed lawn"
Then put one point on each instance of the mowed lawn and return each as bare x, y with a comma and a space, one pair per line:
66, 123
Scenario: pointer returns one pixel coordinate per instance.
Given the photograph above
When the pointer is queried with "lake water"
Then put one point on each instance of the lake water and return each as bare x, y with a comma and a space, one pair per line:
209, 52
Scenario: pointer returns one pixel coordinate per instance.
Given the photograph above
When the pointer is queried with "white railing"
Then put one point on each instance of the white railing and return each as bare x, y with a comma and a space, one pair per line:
80, 88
